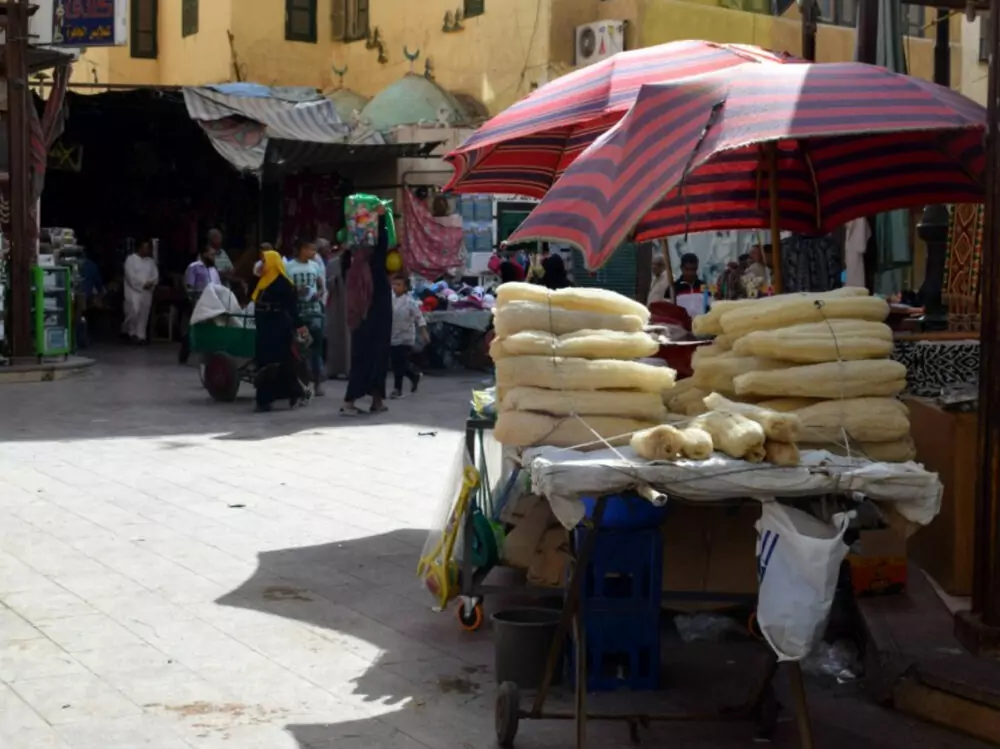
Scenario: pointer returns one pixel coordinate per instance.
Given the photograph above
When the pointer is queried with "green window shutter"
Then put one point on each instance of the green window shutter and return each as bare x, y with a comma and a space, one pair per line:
618, 274
189, 17
300, 20
143, 29
474, 8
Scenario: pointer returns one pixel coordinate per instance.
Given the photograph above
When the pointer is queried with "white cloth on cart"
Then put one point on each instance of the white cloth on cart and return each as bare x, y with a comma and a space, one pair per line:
563, 476
216, 300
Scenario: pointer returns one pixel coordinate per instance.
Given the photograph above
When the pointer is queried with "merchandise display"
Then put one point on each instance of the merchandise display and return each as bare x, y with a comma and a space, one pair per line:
566, 382
835, 376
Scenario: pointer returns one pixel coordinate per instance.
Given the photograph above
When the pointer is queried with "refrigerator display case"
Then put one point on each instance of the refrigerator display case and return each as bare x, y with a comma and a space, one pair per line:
52, 314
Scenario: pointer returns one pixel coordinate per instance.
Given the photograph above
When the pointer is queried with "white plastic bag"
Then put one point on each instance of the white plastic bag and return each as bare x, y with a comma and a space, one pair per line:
798, 561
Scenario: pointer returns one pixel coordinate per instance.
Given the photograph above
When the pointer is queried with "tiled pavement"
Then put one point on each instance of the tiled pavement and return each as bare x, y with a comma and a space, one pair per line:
176, 573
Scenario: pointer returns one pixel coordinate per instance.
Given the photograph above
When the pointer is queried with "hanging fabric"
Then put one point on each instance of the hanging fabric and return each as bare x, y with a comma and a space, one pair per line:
432, 246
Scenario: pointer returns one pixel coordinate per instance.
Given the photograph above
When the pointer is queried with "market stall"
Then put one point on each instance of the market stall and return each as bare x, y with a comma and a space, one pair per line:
610, 444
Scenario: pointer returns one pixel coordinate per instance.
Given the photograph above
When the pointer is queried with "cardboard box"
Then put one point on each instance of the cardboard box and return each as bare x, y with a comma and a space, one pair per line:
878, 566
709, 555
946, 445
531, 519
548, 567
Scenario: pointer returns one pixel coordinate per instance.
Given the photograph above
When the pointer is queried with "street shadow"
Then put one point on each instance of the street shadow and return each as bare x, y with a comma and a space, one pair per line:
364, 596
145, 393
432, 685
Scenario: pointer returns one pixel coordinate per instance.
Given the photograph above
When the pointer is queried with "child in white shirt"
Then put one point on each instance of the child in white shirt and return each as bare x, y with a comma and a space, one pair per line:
406, 319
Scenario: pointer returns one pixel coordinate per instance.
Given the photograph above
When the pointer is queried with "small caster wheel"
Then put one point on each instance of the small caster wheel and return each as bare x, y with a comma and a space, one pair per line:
471, 619
508, 714
766, 714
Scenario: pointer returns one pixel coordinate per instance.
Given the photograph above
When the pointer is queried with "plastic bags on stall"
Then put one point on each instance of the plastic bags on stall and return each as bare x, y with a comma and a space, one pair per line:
437, 568
798, 562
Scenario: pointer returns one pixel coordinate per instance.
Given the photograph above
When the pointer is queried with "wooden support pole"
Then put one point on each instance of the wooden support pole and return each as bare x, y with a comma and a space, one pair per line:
773, 198
867, 39
22, 255
810, 17
979, 629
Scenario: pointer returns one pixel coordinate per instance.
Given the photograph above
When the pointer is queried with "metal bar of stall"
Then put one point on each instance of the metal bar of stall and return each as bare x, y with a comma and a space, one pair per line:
570, 607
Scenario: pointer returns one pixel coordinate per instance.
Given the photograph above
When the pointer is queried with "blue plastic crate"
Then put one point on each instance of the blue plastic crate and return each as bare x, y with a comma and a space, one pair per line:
627, 512
624, 572
622, 650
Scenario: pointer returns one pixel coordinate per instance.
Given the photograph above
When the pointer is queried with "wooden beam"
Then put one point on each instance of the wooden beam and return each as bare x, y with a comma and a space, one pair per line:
979, 630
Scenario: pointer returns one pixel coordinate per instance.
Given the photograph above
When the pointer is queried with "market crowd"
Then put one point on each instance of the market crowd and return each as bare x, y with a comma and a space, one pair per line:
325, 310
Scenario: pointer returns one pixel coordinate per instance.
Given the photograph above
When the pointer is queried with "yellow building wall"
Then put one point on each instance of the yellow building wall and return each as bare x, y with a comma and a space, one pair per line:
200, 58
974, 70
265, 56
498, 58
670, 20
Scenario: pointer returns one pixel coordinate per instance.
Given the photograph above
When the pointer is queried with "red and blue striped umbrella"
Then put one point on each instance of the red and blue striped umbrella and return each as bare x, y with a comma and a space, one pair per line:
846, 139
525, 148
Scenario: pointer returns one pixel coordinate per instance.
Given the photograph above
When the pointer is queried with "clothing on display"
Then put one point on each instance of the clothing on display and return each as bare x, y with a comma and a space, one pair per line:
810, 263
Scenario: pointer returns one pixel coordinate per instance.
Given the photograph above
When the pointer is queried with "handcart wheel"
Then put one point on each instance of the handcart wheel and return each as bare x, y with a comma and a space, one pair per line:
766, 714
471, 619
508, 714
222, 377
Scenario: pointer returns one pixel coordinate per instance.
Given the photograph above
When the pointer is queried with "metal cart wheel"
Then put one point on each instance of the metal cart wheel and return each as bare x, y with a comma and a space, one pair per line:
222, 377
508, 714
470, 617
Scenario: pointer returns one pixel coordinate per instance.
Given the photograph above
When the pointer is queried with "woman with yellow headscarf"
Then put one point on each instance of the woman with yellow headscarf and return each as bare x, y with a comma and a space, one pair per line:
276, 314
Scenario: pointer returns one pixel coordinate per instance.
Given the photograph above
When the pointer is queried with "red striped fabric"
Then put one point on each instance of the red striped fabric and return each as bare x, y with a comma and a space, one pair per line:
853, 140
525, 148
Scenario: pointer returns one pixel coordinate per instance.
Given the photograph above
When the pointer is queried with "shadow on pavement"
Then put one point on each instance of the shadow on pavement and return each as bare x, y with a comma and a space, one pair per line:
428, 685
414, 667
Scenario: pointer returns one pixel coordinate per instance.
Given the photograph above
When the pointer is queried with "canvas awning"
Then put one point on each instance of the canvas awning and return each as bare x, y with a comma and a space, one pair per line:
243, 119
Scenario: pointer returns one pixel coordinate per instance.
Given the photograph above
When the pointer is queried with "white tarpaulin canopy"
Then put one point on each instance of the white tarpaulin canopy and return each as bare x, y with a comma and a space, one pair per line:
563, 476
243, 119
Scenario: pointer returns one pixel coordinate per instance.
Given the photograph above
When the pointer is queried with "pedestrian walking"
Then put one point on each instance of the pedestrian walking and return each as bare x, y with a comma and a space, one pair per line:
407, 319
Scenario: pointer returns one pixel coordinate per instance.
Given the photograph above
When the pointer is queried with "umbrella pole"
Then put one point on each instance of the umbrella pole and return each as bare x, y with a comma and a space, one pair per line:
772, 192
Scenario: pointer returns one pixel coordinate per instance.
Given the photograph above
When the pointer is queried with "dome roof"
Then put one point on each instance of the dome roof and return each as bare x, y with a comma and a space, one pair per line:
347, 102
412, 100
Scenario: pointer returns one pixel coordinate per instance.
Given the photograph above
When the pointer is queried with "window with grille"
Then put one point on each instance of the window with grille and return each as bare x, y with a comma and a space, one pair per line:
189, 17
350, 20
143, 29
473, 8
913, 20
300, 20
839, 12
984, 38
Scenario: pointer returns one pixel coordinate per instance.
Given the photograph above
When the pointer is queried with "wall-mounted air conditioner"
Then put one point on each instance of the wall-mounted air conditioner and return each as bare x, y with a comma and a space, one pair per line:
598, 41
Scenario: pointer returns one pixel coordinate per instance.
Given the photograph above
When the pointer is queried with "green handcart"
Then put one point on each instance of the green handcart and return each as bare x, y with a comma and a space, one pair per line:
227, 352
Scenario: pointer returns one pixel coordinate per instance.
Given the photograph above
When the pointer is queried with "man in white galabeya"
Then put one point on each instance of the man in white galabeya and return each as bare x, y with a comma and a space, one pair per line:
141, 277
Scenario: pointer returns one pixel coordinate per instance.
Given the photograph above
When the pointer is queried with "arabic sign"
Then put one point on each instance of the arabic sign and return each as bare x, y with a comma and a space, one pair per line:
88, 23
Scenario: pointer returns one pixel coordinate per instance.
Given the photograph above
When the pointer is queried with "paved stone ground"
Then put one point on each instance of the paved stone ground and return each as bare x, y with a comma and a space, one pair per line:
176, 573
